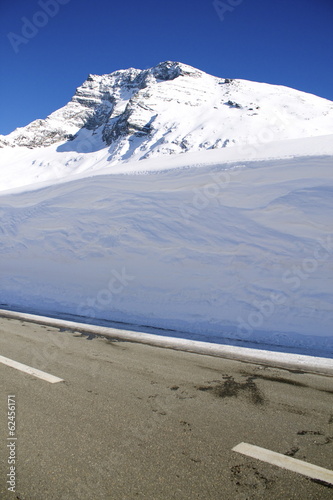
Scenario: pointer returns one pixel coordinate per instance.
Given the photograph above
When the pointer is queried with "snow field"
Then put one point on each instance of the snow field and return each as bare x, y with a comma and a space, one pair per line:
225, 252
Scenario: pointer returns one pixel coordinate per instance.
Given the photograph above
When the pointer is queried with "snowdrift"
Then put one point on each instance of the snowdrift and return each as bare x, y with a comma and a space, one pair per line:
231, 251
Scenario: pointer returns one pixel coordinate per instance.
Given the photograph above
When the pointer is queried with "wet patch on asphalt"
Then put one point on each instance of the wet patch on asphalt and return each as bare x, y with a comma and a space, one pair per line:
292, 452
86, 336
230, 388
249, 478
320, 438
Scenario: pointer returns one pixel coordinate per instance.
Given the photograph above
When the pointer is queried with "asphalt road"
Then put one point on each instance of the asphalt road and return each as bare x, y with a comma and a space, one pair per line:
132, 421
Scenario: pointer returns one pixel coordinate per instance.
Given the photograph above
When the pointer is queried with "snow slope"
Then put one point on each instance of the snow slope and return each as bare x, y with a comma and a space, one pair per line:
207, 244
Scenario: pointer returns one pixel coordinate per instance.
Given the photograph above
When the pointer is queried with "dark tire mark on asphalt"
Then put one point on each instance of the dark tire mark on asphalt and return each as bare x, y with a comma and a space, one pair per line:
322, 483
281, 380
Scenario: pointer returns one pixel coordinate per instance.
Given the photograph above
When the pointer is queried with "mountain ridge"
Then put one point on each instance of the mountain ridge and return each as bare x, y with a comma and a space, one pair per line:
173, 108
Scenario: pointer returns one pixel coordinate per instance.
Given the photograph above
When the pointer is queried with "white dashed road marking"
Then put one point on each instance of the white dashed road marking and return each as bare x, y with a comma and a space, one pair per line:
31, 371
285, 462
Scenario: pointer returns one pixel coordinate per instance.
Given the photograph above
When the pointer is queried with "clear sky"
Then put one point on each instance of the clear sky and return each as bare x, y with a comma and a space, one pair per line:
44, 57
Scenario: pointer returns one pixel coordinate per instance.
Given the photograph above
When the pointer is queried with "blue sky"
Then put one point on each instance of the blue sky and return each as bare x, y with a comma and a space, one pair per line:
275, 41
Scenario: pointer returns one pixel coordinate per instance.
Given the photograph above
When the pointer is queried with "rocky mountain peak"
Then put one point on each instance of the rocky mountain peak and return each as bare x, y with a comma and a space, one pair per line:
169, 70
173, 108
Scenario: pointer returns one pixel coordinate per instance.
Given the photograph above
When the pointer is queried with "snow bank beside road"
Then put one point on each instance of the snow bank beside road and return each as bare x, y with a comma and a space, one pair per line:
223, 251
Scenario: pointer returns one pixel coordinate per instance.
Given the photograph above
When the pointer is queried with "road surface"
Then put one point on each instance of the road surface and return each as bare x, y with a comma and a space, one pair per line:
131, 421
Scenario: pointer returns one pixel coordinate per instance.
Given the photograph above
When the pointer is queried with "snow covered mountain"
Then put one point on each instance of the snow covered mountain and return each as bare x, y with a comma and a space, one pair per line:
230, 242
173, 108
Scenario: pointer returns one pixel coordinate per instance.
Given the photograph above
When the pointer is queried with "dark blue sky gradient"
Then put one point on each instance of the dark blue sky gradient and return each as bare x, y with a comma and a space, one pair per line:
275, 41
